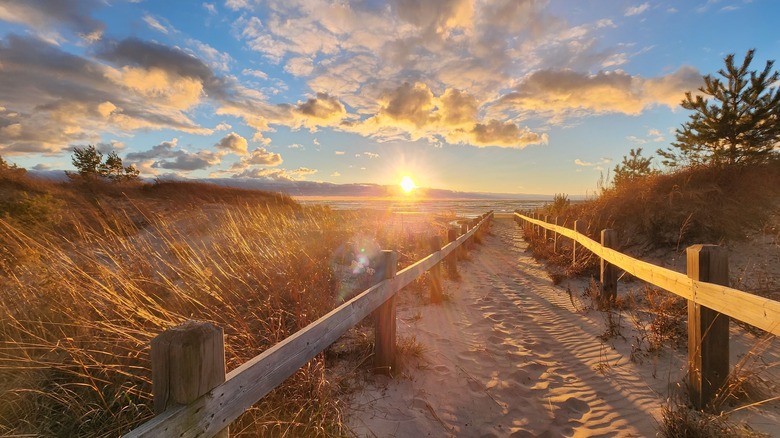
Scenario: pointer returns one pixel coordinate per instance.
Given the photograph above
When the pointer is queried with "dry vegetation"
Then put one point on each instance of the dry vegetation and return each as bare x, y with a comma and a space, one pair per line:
89, 274
663, 213
693, 205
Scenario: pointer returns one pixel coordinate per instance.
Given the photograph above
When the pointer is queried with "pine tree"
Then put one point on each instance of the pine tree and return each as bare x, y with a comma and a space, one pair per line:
736, 118
90, 165
87, 161
633, 166
112, 168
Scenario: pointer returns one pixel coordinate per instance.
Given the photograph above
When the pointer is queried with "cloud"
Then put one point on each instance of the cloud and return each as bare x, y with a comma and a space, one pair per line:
189, 161
53, 98
167, 155
256, 73
414, 111
504, 134
299, 66
236, 4
569, 93
323, 110
276, 174
216, 59
258, 157
339, 152
111, 146
222, 127
656, 135
162, 150
335, 174
155, 24
233, 143
46, 17
210, 7
596, 164
637, 10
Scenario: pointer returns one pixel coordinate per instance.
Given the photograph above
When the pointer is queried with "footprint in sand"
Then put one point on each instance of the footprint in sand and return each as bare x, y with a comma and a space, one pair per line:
575, 406
441, 369
521, 376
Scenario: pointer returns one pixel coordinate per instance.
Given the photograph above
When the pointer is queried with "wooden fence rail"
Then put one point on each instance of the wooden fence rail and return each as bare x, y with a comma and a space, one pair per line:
704, 288
217, 405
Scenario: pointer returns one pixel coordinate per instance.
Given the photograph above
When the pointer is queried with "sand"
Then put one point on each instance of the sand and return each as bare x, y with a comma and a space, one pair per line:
508, 355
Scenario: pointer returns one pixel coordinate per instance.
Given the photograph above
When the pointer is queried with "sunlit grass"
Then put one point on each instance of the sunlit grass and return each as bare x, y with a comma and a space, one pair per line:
79, 305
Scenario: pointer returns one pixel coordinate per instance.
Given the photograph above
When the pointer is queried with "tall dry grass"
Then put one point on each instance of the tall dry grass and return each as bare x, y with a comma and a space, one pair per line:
82, 295
691, 205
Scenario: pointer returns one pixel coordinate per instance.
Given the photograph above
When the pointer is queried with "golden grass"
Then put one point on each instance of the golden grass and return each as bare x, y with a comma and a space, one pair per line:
83, 294
689, 206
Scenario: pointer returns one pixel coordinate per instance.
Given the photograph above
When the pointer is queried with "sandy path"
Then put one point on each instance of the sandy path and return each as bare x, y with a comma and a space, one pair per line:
507, 356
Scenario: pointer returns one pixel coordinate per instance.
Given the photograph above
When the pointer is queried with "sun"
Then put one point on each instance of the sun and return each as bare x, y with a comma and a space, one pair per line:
407, 184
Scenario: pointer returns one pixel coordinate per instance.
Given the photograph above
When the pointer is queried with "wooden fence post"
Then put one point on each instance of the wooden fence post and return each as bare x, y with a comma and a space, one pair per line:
555, 236
609, 277
464, 228
384, 322
435, 273
708, 330
546, 219
187, 361
452, 265
579, 226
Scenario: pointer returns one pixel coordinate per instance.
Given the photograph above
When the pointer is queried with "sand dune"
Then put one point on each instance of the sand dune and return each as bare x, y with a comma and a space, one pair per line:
509, 356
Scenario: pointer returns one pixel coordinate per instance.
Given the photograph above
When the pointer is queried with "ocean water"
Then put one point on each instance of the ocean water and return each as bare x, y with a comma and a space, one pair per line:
461, 208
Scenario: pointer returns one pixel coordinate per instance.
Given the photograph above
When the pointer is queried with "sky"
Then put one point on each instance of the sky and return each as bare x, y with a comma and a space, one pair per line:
501, 96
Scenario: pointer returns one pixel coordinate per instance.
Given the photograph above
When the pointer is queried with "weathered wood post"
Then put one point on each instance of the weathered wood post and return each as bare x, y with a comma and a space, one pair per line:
546, 219
555, 236
187, 361
384, 322
577, 250
464, 228
452, 265
435, 273
708, 330
609, 272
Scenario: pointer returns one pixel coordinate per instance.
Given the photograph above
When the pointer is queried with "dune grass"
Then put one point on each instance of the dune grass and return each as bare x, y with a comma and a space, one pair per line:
88, 282
692, 205
669, 211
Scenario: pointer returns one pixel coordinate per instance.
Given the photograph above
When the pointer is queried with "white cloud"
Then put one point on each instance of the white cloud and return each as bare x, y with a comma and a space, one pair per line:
155, 24
233, 143
597, 164
210, 7
299, 66
256, 73
637, 10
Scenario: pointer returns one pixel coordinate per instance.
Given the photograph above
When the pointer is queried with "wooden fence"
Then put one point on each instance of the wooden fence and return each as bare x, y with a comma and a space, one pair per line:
194, 398
710, 301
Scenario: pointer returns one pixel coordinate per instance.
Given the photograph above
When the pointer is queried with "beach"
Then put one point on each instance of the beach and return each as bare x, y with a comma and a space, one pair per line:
509, 354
